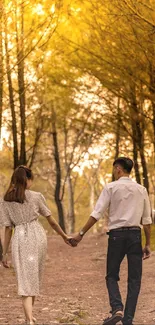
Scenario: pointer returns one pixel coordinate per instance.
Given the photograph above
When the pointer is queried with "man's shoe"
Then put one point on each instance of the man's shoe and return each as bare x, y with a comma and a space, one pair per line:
114, 318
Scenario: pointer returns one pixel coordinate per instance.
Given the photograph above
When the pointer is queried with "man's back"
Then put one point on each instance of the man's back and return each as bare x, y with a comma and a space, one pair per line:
128, 204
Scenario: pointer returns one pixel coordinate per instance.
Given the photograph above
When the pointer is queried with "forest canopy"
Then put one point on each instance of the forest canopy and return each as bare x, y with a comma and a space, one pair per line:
77, 90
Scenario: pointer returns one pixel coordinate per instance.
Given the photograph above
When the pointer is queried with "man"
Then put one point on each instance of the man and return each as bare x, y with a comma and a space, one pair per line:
129, 207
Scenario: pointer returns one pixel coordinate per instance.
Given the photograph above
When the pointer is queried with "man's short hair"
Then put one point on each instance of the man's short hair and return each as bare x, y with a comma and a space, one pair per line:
125, 163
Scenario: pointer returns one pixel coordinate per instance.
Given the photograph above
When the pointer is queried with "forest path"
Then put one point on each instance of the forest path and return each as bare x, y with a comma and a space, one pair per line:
74, 289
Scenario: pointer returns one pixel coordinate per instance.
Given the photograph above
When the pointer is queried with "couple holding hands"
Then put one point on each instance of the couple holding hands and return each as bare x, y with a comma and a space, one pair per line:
21, 207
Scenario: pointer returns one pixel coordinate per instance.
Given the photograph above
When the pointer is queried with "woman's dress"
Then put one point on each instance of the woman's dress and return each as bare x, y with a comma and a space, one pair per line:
29, 241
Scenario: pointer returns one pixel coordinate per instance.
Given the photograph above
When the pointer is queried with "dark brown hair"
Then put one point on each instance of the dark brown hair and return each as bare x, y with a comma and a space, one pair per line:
125, 162
18, 184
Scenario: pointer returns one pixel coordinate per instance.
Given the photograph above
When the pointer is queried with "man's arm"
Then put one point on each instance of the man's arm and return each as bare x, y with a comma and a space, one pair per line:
89, 224
147, 232
98, 212
146, 249
146, 222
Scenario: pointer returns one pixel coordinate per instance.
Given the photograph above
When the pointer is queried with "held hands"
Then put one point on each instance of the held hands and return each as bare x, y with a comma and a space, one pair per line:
70, 241
146, 252
77, 238
73, 241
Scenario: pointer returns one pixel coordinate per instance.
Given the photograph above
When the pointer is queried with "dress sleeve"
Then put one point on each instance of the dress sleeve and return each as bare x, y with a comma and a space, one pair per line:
5, 219
43, 209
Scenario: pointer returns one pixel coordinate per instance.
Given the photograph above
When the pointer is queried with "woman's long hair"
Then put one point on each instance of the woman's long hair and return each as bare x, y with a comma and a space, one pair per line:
18, 184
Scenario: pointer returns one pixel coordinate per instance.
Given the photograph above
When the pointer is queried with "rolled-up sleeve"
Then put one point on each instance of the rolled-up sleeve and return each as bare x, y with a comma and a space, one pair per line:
43, 208
146, 217
102, 204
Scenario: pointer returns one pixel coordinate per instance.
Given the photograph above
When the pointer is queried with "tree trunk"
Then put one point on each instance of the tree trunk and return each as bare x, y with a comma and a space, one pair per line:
140, 142
71, 214
117, 132
139, 127
1, 64
11, 100
21, 84
118, 129
58, 173
31, 159
145, 172
136, 166
152, 91
92, 202
135, 151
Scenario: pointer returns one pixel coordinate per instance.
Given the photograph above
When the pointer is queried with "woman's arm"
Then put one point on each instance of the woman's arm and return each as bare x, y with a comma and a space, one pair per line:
58, 229
7, 238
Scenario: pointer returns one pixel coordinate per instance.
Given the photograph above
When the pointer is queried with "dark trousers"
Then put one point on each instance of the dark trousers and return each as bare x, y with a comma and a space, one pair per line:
124, 242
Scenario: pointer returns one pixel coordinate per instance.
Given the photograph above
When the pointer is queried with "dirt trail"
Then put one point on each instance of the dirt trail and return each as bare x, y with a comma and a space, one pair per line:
74, 290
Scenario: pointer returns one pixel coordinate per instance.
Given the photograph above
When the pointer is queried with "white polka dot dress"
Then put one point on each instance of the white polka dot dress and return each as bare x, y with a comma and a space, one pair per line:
29, 241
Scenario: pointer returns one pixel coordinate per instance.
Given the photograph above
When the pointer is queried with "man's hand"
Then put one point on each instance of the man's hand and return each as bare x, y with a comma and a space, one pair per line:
78, 238
146, 252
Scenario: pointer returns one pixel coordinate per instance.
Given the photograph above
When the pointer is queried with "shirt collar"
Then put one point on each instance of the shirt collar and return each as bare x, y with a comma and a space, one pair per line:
125, 177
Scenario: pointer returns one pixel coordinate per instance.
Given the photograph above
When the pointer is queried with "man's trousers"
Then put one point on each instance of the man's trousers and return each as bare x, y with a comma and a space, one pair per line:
124, 241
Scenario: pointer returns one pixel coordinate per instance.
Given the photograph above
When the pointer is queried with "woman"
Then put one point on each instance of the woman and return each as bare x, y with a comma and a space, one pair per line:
21, 209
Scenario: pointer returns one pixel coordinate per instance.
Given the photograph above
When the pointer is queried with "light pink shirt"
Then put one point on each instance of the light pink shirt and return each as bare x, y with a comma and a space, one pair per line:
128, 204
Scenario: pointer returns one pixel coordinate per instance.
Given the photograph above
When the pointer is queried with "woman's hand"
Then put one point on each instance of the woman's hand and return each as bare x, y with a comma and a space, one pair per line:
5, 262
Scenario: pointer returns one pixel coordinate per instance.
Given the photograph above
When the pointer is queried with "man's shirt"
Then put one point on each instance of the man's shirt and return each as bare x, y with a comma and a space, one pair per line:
128, 204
